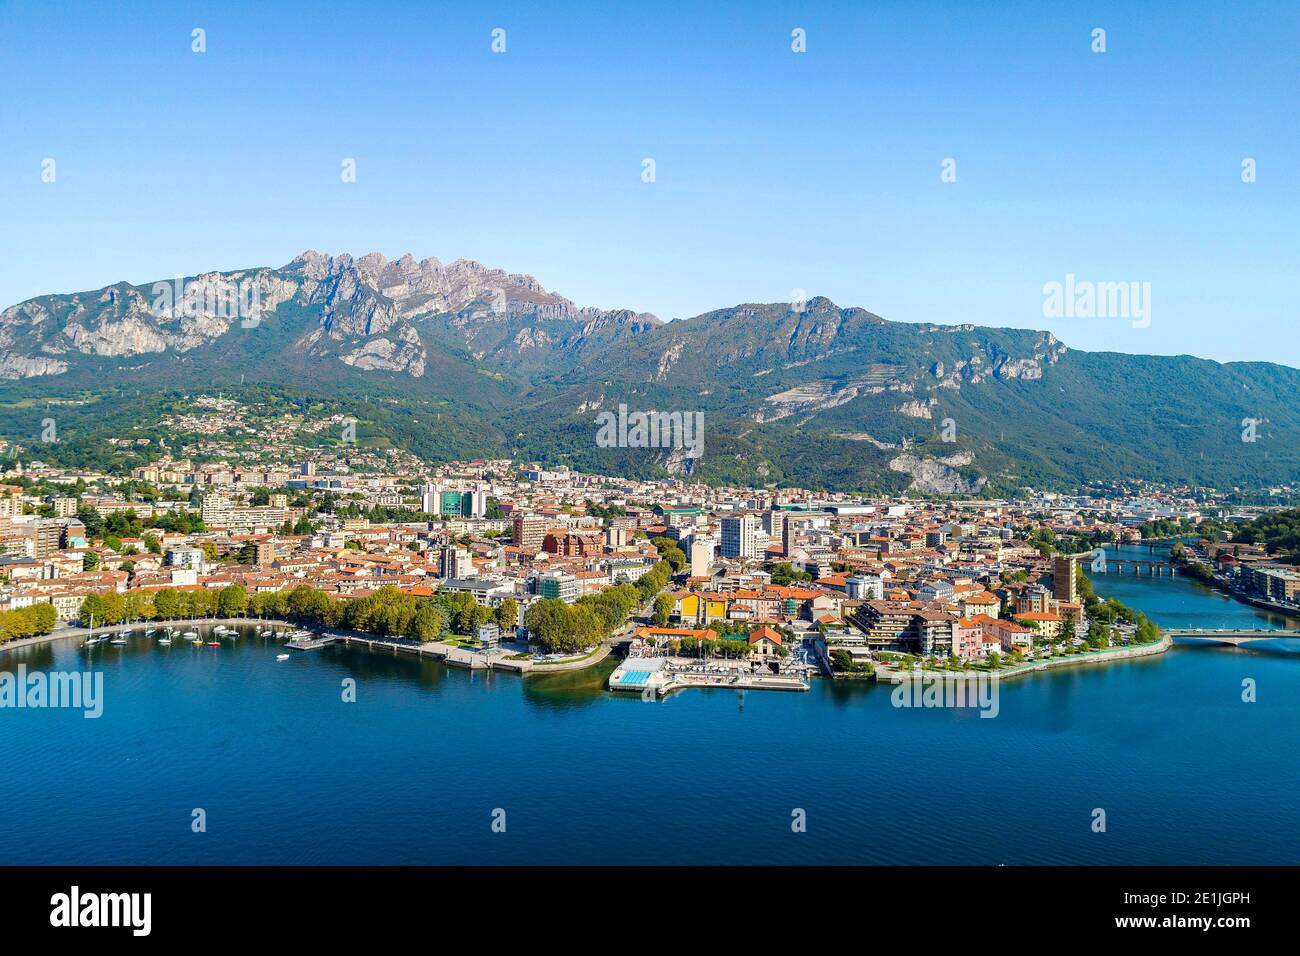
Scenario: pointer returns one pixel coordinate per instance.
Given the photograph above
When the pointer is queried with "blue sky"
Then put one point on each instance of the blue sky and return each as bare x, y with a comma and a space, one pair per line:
774, 170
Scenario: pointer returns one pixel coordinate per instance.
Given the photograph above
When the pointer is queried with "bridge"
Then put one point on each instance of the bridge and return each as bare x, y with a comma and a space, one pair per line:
1154, 568
1225, 636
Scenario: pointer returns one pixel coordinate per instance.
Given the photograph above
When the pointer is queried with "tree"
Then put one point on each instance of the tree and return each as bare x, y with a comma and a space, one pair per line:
27, 621
92, 610
664, 605
507, 615
428, 623
46, 617
90, 561
92, 520
232, 601
546, 621
112, 608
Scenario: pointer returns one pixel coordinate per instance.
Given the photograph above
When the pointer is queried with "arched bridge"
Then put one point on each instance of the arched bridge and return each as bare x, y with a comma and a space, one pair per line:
1234, 637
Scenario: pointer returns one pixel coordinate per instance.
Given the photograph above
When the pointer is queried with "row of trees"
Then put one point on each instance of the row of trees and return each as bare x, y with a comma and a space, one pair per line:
565, 628
166, 604
389, 611
27, 621
561, 627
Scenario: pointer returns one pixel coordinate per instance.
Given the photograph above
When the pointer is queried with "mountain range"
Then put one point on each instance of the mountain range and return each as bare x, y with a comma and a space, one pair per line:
460, 360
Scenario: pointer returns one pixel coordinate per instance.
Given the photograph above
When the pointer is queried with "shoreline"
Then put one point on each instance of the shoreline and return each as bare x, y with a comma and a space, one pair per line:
594, 657
1214, 583
893, 676
1098, 657
71, 632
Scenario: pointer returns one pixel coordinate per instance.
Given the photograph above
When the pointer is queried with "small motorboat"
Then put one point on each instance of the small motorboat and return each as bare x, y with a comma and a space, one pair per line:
281, 657
190, 634
214, 643
164, 640
118, 640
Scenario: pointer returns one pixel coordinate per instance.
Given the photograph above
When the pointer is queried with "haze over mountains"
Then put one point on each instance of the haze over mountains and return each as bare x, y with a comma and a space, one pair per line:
462, 359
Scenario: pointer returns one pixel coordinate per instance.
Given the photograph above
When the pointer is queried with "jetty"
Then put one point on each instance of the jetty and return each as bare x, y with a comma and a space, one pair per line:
453, 655
308, 642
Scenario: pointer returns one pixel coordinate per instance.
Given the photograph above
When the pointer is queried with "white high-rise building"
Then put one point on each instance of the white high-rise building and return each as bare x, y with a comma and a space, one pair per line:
702, 547
739, 536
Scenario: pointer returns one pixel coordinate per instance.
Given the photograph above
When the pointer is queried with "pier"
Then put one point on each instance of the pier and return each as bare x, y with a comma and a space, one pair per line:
309, 643
450, 654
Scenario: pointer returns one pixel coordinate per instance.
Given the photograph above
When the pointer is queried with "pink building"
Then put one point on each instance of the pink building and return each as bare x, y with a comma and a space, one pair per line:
967, 638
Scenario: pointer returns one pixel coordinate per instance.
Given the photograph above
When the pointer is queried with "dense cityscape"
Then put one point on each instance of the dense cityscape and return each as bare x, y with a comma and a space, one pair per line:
511, 565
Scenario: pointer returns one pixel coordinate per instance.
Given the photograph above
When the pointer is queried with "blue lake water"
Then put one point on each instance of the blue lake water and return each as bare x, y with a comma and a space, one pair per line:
412, 772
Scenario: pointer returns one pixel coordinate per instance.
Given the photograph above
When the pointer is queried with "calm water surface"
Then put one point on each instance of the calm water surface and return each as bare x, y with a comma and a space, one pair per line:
412, 771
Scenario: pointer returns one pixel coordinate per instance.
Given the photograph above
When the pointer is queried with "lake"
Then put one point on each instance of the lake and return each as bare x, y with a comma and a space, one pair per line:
417, 769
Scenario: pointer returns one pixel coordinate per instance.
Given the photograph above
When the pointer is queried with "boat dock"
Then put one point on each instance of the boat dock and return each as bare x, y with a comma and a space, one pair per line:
450, 654
310, 643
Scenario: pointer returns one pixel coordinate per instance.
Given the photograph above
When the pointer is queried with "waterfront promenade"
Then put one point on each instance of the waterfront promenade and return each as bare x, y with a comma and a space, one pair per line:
886, 674
453, 654
68, 633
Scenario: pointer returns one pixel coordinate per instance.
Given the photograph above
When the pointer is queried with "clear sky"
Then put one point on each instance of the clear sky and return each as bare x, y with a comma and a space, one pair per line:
775, 170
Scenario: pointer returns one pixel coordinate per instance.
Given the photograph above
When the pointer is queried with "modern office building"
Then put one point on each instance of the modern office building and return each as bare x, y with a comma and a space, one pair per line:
557, 584
739, 537
453, 502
